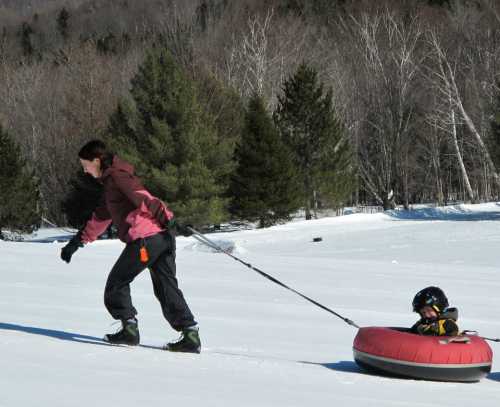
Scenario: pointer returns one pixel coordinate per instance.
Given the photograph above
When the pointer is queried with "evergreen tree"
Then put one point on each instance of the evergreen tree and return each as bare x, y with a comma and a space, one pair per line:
202, 13
306, 118
439, 3
26, 40
228, 112
107, 44
264, 186
125, 132
19, 194
63, 23
172, 141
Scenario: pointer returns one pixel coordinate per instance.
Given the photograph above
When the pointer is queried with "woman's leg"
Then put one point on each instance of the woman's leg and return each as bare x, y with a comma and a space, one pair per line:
117, 292
166, 289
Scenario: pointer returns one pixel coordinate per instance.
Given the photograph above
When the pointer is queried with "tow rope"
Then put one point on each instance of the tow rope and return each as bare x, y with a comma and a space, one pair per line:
210, 243
476, 333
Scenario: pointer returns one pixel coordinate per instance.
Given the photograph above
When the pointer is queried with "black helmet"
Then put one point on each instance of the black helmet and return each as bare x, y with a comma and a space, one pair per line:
432, 296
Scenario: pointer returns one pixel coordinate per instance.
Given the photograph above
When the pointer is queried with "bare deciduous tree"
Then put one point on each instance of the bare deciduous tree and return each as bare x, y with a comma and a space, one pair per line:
445, 78
389, 52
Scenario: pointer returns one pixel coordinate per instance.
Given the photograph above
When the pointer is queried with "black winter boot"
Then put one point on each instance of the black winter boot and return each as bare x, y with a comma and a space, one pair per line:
128, 335
188, 342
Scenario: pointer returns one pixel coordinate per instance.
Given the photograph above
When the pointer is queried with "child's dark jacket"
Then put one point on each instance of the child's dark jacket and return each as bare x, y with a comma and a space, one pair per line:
445, 325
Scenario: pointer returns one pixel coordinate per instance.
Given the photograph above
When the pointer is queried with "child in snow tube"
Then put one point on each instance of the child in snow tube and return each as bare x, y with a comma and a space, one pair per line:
437, 319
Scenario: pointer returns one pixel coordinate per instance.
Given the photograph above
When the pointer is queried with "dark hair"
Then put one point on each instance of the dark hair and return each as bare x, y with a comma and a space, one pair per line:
96, 149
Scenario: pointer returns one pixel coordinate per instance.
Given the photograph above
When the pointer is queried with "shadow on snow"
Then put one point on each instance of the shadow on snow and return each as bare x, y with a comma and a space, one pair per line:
494, 376
348, 366
50, 239
454, 213
51, 333
344, 366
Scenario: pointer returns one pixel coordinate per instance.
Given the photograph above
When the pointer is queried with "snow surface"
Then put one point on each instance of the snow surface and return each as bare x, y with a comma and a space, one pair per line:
262, 345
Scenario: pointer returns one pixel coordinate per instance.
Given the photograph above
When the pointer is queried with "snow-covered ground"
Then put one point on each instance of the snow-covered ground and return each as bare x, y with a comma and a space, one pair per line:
262, 345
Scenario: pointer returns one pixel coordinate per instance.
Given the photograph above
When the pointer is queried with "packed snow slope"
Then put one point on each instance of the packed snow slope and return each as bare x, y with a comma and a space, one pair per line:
262, 345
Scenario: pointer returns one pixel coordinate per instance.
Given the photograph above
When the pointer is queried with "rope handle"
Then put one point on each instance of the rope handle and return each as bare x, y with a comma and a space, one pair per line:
476, 333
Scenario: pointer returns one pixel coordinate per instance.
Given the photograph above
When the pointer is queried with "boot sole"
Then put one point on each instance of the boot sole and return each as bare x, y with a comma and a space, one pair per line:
197, 351
106, 339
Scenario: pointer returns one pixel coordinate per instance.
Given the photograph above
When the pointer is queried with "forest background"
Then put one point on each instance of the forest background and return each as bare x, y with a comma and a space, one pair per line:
249, 109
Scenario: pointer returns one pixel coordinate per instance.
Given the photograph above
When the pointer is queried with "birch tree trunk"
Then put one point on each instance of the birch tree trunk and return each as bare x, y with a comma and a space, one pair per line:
458, 100
447, 77
461, 165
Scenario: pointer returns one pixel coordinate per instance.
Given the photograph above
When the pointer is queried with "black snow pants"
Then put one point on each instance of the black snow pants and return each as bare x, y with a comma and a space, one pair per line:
161, 264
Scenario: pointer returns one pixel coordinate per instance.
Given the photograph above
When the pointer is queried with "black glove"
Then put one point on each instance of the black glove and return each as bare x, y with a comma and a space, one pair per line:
73, 245
160, 212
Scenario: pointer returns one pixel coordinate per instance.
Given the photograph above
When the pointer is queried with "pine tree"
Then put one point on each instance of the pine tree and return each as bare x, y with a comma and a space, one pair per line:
19, 194
228, 111
439, 3
63, 23
107, 44
26, 40
264, 186
307, 121
172, 141
125, 133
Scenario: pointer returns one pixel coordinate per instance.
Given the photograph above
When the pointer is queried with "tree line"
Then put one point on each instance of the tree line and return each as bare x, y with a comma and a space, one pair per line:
256, 109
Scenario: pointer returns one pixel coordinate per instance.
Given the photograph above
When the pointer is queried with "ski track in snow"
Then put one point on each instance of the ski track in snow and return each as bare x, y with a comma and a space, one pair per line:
262, 345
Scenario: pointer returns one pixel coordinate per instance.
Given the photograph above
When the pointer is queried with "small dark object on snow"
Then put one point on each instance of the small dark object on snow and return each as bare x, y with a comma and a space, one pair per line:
317, 239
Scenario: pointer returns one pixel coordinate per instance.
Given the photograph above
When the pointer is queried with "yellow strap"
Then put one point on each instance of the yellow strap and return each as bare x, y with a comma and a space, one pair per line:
436, 308
442, 330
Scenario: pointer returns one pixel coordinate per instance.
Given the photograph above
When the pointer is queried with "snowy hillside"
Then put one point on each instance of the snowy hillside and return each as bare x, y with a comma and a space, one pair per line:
262, 345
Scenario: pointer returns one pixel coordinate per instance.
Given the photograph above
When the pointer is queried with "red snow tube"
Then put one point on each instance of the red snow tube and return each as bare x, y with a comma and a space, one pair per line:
396, 352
